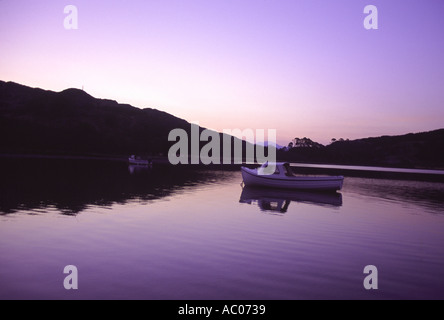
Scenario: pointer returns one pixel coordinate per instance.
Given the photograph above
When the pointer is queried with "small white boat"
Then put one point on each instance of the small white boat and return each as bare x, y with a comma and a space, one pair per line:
284, 178
137, 161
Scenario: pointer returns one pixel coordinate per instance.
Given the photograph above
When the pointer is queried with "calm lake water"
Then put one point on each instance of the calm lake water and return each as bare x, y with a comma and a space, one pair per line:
170, 233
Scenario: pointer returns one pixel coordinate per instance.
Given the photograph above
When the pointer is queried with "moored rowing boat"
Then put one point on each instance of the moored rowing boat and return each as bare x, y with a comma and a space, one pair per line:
284, 178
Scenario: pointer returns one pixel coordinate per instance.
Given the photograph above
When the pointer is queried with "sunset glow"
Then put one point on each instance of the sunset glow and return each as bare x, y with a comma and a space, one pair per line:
306, 67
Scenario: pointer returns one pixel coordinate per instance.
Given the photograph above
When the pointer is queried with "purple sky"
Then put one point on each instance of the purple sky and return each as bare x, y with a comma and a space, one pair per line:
303, 67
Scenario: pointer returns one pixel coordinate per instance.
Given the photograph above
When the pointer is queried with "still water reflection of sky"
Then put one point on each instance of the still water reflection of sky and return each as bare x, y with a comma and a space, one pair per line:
170, 234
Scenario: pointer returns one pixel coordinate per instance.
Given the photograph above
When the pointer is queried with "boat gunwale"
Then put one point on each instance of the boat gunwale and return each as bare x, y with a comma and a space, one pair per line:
313, 179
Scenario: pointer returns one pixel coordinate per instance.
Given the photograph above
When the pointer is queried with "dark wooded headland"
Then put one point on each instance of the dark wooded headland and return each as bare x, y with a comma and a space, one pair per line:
419, 150
73, 123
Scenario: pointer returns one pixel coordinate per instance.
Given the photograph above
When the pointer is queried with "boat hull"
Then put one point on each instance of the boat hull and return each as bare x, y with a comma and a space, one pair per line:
251, 178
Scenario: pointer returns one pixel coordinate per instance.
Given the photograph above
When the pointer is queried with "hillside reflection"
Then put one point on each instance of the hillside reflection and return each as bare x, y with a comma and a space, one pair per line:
72, 186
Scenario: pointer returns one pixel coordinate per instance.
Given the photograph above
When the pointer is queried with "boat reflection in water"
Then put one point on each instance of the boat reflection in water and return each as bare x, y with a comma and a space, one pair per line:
278, 201
135, 169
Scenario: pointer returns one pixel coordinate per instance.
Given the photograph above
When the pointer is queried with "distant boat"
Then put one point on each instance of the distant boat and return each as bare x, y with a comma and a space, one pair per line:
284, 178
133, 160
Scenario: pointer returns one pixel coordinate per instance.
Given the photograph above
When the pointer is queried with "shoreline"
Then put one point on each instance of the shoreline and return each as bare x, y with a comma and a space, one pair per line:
61, 157
299, 165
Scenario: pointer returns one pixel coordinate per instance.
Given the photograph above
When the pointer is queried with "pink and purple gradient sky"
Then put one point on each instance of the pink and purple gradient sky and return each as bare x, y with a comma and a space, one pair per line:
303, 67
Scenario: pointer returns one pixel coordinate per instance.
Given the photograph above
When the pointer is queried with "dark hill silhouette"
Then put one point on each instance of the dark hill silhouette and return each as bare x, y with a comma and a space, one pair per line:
413, 150
410, 150
73, 122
